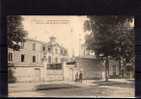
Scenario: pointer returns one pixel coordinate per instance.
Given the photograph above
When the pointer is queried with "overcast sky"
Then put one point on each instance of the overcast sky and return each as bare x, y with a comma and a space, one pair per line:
67, 29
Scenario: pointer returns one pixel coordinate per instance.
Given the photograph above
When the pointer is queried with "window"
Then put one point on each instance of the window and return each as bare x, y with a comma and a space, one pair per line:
56, 60
22, 57
34, 59
22, 45
62, 52
10, 56
34, 46
49, 49
44, 48
49, 59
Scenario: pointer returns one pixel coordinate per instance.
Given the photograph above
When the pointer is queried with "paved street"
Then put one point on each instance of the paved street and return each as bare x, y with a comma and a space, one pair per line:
87, 88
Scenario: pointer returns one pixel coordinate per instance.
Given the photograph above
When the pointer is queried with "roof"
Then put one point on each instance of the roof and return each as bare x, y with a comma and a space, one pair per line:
46, 43
30, 39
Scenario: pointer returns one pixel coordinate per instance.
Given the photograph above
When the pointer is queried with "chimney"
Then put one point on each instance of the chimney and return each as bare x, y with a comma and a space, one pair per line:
52, 39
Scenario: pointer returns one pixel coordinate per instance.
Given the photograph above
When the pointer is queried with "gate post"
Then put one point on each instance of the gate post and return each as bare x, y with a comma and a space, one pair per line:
44, 68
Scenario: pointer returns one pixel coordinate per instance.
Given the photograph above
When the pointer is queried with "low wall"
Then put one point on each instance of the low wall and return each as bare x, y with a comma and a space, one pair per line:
27, 74
54, 75
92, 69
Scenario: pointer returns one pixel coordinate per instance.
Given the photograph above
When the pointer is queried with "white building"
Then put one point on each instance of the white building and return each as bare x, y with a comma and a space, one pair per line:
27, 64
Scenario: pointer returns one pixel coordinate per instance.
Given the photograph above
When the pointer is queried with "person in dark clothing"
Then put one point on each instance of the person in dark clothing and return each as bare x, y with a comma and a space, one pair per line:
80, 77
76, 77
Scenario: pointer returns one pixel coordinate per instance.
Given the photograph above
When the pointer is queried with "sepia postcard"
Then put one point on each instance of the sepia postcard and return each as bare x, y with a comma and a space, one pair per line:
71, 56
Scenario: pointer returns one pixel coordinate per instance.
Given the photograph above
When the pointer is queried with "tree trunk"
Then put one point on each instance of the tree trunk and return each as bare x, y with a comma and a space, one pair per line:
120, 70
106, 69
124, 69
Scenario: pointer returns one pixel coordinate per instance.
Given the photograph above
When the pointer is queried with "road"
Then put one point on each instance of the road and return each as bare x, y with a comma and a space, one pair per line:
100, 89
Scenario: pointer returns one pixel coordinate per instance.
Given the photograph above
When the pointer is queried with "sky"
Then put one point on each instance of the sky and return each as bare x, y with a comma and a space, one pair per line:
68, 30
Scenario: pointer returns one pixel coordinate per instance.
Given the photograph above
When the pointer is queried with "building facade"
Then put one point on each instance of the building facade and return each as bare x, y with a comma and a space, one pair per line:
90, 55
91, 68
28, 64
55, 55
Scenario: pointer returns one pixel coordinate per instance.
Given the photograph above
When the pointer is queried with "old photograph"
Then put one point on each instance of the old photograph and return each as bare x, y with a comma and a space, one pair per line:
71, 56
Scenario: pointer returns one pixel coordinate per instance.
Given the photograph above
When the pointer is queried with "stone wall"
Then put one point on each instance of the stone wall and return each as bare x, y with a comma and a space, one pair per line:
69, 72
92, 69
54, 75
27, 74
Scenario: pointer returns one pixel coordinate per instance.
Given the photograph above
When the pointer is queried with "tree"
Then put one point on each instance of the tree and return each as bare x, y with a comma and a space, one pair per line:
15, 32
110, 37
125, 48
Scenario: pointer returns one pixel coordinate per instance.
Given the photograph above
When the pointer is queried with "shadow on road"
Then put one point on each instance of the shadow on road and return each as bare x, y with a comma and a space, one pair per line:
54, 86
115, 84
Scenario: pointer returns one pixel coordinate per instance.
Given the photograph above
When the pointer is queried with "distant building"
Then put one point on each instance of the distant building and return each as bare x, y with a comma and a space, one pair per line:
56, 55
27, 64
87, 60
86, 52
54, 52
90, 55
89, 65
117, 70
114, 69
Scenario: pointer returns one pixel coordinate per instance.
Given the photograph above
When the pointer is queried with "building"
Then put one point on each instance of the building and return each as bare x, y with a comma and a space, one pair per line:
27, 64
89, 55
55, 55
90, 66
120, 70
114, 69
86, 52
54, 52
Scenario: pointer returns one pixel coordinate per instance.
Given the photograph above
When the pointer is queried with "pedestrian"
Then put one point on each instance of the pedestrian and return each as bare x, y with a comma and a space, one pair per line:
76, 76
80, 76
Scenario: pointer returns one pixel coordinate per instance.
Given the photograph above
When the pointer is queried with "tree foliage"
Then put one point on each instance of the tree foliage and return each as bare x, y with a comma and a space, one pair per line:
15, 32
111, 37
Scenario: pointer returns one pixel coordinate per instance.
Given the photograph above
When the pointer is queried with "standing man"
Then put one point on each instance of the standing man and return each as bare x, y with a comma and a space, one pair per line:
80, 76
76, 77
